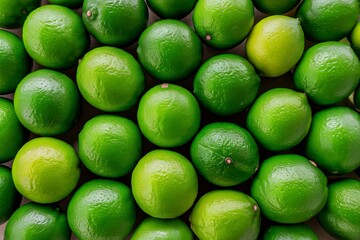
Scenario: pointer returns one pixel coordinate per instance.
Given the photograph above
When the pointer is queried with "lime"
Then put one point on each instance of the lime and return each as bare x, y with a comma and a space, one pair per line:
47, 102
224, 154
354, 39
14, 12
119, 149
326, 20
14, 59
175, 9
274, 7
160, 110
102, 209
328, 72
12, 134
289, 189
275, 45
68, 3
226, 84
169, 50
279, 119
341, 215
55, 36
225, 214
114, 22
110, 79
289, 232
164, 184
46, 170
334, 139
223, 24
162, 229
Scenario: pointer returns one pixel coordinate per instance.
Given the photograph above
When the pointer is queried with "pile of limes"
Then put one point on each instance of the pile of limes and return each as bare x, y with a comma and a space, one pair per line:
179, 119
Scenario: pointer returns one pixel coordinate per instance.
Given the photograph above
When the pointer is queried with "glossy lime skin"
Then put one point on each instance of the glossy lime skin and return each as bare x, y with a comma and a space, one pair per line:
68, 3
14, 12
274, 7
333, 140
175, 9
289, 232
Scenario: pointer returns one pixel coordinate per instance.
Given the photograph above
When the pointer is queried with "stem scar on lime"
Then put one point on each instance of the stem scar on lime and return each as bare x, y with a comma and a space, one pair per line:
228, 160
164, 85
207, 37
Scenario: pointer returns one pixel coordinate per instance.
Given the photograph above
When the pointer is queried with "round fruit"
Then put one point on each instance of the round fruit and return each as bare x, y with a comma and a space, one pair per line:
224, 154
36, 221
14, 12
226, 84
55, 36
112, 22
275, 45
334, 139
14, 59
289, 232
328, 73
164, 184
119, 149
102, 209
225, 214
341, 215
46, 170
289, 189
169, 50
168, 115
279, 119
176, 9
68, 3
47, 102
275, 7
110, 79
354, 39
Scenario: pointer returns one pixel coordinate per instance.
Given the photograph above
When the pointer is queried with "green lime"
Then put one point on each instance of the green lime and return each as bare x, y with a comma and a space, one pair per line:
328, 72
354, 39
160, 110
225, 154
175, 9
225, 214
55, 36
357, 97
279, 119
14, 12
328, 20
12, 133
14, 59
102, 209
289, 189
334, 139
119, 149
274, 7
169, 50
67, 3
223, 24
46, 170
341, 215
47, 102
162, 229
270, 42
164, 184
226, 84
34, 221
110, 79
289, 232
113, 22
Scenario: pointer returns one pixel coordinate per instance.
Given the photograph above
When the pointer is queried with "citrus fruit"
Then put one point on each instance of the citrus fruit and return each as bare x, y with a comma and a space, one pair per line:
15, 59
55, 36
169, 50
164, 184
68, 3
171, 9
12, 134
223, 24
225, 214
119, 149
275, 45
327, 20
289, 189
226, 84
334, 139
225, 154
46, 170
328, 73
112, 22
36, 221
47, 102
289, 232
110, 79
274, 7
162, 229
354, 39
357, 97
102, 209
279, 119
341, 215
14, 12
159, 113
10, 197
